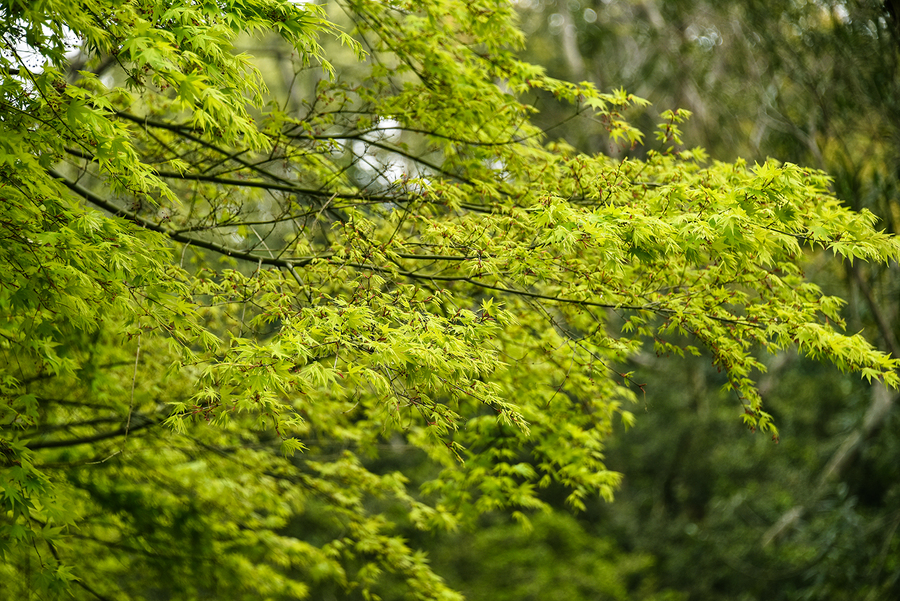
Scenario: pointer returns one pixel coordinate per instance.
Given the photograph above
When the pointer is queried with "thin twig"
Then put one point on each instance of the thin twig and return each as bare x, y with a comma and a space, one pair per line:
137, 357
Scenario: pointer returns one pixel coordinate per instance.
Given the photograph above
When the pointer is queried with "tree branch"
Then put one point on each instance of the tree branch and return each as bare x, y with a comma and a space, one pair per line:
139, 422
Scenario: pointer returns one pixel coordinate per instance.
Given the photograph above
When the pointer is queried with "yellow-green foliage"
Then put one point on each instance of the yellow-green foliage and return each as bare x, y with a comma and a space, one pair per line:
195, 284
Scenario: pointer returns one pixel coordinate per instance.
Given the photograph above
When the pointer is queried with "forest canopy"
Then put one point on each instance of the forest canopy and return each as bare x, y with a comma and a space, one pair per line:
234, 281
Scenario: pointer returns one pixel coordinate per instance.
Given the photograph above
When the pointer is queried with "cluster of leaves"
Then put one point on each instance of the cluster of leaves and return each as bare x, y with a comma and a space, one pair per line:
197, 283
812, 83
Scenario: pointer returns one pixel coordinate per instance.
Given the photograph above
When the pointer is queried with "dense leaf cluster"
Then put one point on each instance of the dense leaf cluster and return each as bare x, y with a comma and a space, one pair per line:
199, 280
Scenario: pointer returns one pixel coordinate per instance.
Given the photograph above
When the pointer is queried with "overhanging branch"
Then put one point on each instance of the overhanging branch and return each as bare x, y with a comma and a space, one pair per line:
139, 422
293, 262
